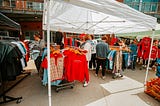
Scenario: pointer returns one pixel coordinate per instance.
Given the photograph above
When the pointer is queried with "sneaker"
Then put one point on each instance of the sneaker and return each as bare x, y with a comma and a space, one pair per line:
154, 68
96, 75
85, 84
103, 77
114, 76
120, 75
143, 65
94, 68
149, 68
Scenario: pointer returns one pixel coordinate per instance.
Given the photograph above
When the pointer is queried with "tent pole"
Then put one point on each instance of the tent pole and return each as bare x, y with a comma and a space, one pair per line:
140, 5
48, 52
153, 33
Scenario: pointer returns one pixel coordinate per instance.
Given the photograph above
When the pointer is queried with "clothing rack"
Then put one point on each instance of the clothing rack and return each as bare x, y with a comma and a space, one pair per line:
116, 72
64, 84
120, 48
9, 81
8, 38
5, 98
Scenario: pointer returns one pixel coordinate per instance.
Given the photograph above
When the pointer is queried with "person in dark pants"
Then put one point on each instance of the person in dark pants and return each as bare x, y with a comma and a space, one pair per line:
92, 62
102, 49
133, 48
154, 53
40, 46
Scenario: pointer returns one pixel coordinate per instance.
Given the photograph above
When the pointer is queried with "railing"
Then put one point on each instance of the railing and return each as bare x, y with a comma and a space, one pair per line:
29, 5
152, 8
146, 7
20, 5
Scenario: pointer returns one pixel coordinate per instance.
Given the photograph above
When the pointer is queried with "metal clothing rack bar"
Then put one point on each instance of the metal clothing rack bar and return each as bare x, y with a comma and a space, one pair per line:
65, 84
8, 38
7, 99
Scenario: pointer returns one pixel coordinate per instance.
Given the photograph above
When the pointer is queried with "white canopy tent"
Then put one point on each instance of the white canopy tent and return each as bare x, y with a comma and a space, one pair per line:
96, 17
93, 17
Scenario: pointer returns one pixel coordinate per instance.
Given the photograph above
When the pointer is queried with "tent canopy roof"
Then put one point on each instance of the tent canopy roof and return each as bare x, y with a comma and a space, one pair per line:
8, 24
96, 17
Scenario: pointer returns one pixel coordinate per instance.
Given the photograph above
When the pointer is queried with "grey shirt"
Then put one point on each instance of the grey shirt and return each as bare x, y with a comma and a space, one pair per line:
39, 45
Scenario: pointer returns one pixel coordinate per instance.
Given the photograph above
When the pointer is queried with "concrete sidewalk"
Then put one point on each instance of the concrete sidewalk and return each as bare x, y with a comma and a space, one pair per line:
125, 91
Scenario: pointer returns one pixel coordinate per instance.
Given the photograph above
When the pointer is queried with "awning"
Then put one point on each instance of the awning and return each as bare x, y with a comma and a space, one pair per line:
8, 24
96, 17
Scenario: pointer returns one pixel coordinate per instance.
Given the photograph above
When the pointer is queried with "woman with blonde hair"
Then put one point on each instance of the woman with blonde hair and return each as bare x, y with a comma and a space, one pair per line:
87, 46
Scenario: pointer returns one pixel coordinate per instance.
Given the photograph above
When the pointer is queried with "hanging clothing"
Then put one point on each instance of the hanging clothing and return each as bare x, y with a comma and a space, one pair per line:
10, 64
133, 55
159, 52
56, 66
118, 62
158, 67
58, 37
139, 50
113, 41
26, 45
75, 66
146, 42
133, 48
23, 51
154, 52
110, 57
45, 79
126, 60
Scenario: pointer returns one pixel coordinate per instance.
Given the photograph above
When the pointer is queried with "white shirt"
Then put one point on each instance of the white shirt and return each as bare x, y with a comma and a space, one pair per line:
88, 47
94, 43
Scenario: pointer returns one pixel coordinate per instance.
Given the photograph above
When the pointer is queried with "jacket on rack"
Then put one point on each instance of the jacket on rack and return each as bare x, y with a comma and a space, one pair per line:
75, 66
10, 63
56, 66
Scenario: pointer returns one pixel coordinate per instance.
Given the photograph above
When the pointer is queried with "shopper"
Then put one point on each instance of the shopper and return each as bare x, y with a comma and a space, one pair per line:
86, 45
139, 51
154, 53
92, 62
102, 49
133, 54
158, 62
40, 45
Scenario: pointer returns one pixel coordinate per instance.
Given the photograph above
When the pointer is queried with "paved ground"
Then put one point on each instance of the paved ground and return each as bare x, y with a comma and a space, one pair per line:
126, 91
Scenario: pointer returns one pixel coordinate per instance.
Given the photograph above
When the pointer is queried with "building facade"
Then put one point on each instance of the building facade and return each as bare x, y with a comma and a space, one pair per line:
150, 7
28, 13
